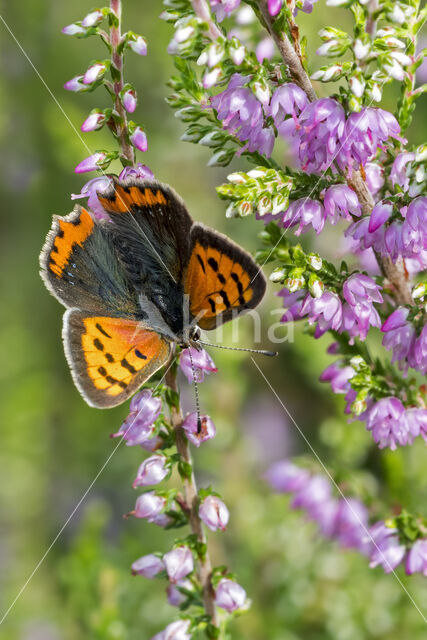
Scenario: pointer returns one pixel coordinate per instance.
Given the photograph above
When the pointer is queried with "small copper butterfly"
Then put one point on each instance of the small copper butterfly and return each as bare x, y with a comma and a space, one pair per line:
138, 283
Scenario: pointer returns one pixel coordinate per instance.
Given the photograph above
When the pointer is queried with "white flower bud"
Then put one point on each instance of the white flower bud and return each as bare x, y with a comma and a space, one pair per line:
360, 49
357, 86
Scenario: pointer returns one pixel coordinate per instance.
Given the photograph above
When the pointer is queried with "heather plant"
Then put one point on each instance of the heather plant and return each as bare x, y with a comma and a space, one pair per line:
311, 148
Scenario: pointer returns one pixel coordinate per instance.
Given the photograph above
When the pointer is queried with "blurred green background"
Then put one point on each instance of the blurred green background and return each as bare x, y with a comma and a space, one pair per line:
53, 446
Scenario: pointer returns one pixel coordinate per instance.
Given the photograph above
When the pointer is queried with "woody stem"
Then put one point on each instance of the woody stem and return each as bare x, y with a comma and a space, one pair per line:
192, 503
394, 273
127, 154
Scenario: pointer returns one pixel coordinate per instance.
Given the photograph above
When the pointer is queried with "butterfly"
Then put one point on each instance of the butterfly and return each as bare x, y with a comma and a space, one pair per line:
138, 283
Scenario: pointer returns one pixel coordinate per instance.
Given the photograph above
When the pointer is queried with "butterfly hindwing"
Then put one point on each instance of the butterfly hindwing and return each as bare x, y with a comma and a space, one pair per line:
222, 280
110, 358
79, 265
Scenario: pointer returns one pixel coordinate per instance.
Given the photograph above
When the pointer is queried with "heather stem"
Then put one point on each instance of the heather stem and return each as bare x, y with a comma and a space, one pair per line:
202, 11
394, 273
192, 504
127, 154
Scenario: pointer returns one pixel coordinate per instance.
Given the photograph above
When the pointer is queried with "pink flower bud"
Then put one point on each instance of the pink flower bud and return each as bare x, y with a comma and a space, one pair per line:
93, 18
214, 513
395, 320
129, 100
175, 631
94, 73
274, 7
91, 163
148, 566
138, 45
151, 471
202, 363
75, 84
230, 595
139, 139
149, 506
93, 122
174, 595
73, 30
380, 214
207, 431
179, 563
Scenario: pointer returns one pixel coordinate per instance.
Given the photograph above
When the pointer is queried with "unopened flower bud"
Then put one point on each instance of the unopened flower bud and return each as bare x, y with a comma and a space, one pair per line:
94, 73
138, 45
315, 261
277, 275
73, 30
75, 84
315, 286
148, 566
91, 163
93, 18
229, 595
139, 139
214, 513
129, 100
152, 471
149, 506
93, 122
178, 563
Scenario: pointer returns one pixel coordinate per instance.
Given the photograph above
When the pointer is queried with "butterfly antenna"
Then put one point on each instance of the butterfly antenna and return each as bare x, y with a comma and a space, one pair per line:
196, 395
262, 352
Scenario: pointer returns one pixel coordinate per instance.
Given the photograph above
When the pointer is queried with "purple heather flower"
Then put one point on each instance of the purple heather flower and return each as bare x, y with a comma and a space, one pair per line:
385, 549
326, 311
338, 375
284, 476
174, 595
139, 139
149, 506
274, 7
387, 421
374, 177
351, 524
207, 432
288, 100
379, 216
93, 18
214, 513
304, 212
398, 173
223, 8
292, 302
129, 100
138, 171
73, 30
94, 73
93, 122
319, 133
312, 496
417, 422
365, 132
416, 561
202, 363
148, 566
178, 630
90, 191
144, 411
357, 320
152, 471
212, 77
241, 113
265, 49
341, 201
91, 163
360, 290
418, 354
399, 336
229, 595
307, 6
75, 84
414, 228
138, 45
178, 563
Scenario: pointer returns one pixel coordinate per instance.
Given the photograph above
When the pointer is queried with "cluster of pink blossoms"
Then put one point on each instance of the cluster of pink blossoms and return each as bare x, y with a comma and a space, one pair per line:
390, 422
346, 520
142, 428
355, 315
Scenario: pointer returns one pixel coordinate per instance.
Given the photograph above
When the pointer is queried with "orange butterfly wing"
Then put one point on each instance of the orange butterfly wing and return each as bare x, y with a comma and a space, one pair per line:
222, 280
110, 358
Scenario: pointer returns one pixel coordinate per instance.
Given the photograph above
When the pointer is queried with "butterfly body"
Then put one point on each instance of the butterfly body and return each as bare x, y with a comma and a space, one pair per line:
138, 283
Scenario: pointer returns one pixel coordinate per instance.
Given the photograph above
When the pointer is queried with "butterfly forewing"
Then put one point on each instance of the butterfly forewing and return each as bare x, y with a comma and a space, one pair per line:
222, 281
